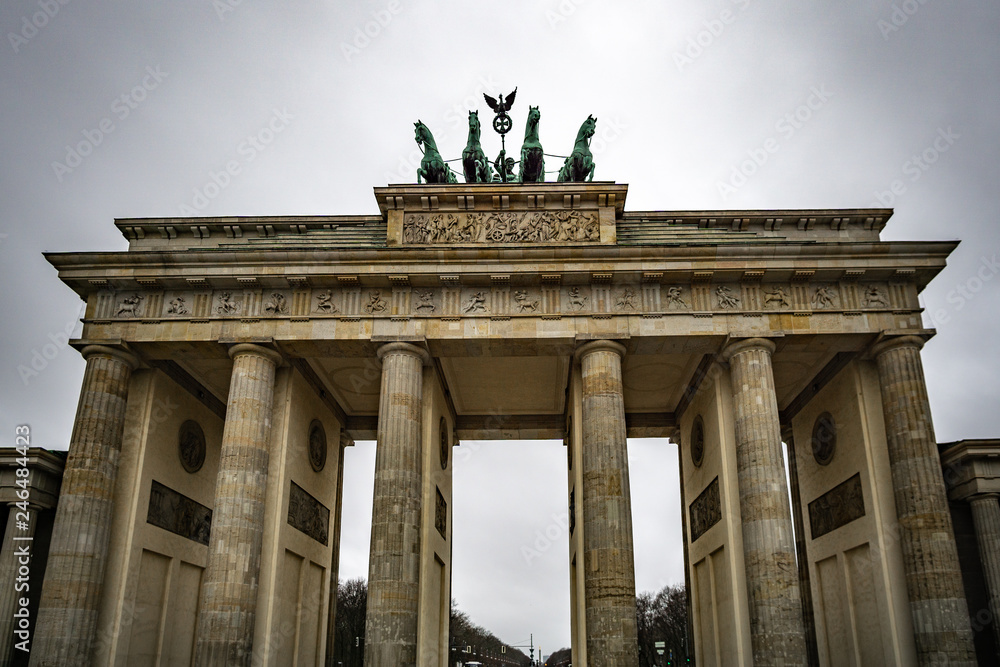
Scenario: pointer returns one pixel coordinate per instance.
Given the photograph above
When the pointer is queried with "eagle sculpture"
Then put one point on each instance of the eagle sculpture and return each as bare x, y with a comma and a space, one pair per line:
502, 105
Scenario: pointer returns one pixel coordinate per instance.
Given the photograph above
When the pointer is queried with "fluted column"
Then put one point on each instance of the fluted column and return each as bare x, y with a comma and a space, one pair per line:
74, 576
777, 636
608, 557
15, 568
930, 558
394, 566
229, 590
986, 516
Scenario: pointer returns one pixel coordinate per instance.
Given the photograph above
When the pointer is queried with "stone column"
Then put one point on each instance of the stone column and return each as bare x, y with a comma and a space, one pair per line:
986, 516
14, 564
74, 576
930, 558
608, 558
394, 566
228, 602
777, 636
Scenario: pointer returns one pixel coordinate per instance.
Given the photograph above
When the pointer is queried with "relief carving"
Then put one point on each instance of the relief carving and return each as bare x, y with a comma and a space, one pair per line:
277, 304
227, 306
129, 306
376, 304
179, 514
441, 515
727, 300
524, 303
777, 298
308, 515
675, 298
502, 227
824, 297
577, 301
325, 304
875, 297
627, 300
476, 304
425, 301
706, 510
178, 307
837, 507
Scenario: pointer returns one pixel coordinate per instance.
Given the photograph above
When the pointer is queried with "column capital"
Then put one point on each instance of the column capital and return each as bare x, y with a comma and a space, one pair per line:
735, 347
404, 348
599, 346
983, 496
895, 342
241, 349
126, 358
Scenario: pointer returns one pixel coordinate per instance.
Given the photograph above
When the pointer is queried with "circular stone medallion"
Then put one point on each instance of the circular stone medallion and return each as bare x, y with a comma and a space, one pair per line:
191, 446
697, 441
824, 439
317, 445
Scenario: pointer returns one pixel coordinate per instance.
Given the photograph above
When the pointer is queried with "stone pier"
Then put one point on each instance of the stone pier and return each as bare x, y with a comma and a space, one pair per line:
10, 564
394, 566
67, 616
229, 589
776, 626
941, 625
609, 563
986, 515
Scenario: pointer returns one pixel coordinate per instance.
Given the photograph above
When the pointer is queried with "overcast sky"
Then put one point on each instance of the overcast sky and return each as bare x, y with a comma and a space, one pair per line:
843, 104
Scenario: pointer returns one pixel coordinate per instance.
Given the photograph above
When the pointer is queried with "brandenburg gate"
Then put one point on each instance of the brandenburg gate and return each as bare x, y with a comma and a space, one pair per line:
231, 360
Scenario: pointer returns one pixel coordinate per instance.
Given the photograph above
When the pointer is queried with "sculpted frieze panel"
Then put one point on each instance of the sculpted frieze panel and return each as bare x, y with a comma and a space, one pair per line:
501, 300
706, 510
502, 227
837, 507
178, 514
308, 514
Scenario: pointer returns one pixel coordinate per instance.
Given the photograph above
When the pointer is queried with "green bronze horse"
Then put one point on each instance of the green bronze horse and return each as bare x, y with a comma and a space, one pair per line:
432, 168
532, 156
475, 164
579, 166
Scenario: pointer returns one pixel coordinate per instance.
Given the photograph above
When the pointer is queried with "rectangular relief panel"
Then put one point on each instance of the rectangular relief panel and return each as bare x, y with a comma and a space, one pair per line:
179, 514
837, 507
308, 514
706, 510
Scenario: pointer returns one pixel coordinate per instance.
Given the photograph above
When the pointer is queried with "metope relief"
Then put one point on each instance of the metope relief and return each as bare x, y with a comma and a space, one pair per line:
178, 306
675, 298
727, 300
376, 304
276, 304
875, 297
129, 307
425, 302
525, 304
227, 305
502, 227
824, 297
776, 297
325, 304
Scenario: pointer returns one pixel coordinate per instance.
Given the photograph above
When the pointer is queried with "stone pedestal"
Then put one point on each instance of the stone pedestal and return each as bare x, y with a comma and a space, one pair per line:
776, 628
933, 578
986, 515
394, 566
229, 589
67, 616
12, 565
608, 558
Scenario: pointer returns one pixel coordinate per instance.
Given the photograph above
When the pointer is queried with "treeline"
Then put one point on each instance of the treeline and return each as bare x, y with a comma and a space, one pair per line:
660, 617
467, 641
